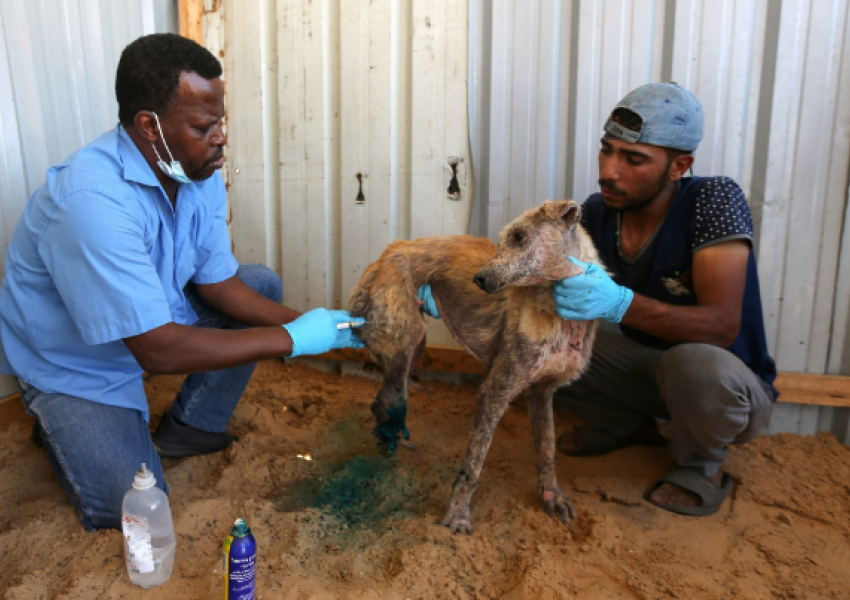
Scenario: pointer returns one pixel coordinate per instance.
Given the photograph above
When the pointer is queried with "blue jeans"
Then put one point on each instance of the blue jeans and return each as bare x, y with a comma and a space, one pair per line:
95, 449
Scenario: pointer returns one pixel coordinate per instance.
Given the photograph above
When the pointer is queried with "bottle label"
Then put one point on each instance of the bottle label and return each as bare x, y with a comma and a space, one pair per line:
239, 572
137, 538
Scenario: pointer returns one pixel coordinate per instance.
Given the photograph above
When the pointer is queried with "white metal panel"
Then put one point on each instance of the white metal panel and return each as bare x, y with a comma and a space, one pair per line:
164, 16
249, 37
328, 100
838, 420
57, 75
13, 187
616, 54
365, 135
439, 118
478, 101
528, 92
309, 55
806, 186
806, 182
717, 54
62, 59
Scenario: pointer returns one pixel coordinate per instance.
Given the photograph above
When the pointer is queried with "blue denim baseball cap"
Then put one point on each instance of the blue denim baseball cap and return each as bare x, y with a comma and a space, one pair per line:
670, 115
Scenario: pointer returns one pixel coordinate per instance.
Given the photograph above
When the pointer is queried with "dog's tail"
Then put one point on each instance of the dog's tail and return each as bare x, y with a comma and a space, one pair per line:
386, 293
384, 284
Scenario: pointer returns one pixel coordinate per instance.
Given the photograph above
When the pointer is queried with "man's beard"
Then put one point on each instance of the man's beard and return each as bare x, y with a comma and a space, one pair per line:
199, 176
643, 197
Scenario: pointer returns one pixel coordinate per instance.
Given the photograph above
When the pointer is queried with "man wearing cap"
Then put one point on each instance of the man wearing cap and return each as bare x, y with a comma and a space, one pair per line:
690, 347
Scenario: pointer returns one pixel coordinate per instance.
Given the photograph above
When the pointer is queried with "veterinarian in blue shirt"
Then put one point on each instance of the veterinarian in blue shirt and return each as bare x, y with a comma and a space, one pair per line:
683, 287
122, 263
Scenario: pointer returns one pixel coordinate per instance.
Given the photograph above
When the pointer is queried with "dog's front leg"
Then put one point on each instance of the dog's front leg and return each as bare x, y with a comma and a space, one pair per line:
501, 385
555, 502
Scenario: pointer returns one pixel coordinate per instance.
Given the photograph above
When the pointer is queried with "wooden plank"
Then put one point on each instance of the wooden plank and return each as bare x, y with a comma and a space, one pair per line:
794, 388
808, 388
190, 16
12, 411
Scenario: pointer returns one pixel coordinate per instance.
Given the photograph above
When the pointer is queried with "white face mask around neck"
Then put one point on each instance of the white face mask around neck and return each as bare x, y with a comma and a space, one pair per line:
175, 169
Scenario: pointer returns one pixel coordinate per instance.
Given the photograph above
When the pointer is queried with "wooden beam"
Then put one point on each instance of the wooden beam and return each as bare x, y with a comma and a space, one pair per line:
808, 388
190, 17
794, 388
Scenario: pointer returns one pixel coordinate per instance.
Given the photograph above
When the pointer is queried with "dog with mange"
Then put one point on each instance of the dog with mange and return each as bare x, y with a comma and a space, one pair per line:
497, 302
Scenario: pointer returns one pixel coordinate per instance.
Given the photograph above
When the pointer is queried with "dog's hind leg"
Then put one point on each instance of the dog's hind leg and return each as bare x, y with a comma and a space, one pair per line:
390, 406
555, 502
503, 383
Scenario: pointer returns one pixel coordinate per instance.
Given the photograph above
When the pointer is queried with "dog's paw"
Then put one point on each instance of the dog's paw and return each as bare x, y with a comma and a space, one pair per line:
457, 521
390, 431
389, 434
557, 504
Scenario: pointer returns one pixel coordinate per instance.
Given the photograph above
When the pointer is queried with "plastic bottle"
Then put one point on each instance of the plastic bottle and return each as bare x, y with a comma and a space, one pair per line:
239, 563
149, 540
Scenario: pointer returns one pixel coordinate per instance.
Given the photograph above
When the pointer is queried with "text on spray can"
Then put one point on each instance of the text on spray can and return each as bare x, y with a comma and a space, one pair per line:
240, 563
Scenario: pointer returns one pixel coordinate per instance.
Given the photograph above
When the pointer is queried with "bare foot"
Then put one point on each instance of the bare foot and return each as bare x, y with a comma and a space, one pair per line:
670, 494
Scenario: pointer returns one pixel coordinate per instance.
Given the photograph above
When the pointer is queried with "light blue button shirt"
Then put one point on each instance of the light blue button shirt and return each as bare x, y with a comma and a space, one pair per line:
100, 255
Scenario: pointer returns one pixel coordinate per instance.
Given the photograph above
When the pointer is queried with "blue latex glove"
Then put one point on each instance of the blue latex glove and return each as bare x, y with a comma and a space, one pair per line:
430, 305
315, 332
591, 295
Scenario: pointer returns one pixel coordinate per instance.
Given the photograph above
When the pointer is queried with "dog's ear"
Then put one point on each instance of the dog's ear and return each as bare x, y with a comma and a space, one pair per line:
568, 212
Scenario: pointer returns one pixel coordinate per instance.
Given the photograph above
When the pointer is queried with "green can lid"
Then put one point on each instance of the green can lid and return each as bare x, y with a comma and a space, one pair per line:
240, 528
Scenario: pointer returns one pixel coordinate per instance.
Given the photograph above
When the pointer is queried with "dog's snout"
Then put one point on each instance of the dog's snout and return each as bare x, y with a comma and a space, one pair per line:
480, 281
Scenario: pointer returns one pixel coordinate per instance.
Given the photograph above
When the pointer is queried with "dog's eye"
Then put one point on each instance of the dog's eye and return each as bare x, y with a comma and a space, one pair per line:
518, 237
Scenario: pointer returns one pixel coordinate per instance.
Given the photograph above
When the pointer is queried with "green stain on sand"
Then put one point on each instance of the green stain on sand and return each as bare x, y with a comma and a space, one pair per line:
363, 491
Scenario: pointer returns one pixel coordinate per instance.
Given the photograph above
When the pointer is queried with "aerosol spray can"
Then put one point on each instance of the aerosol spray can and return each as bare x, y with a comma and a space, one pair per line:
240, 563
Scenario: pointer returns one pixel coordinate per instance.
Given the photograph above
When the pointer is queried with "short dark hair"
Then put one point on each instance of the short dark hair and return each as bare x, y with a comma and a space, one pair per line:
631, 120
149, 72
627, 118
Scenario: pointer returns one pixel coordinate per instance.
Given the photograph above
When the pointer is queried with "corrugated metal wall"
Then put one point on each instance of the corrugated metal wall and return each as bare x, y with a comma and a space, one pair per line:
328, 100
343, 119
773, 78
57, 78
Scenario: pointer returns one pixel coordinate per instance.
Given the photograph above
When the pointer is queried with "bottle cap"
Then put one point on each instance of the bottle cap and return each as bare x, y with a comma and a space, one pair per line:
144, 479
240, 528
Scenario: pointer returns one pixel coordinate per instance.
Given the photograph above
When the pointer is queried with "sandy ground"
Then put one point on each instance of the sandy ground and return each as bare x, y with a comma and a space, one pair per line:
354, 524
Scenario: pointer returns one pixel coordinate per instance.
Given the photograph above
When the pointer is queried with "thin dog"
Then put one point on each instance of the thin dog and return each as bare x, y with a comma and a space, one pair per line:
497, 302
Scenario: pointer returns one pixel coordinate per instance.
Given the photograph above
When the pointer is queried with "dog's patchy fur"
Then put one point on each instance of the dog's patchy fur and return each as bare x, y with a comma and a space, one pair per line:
526, 346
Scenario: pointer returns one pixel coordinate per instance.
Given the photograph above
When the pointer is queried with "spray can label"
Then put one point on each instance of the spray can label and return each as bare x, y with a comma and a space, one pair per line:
239, 567
137, 543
